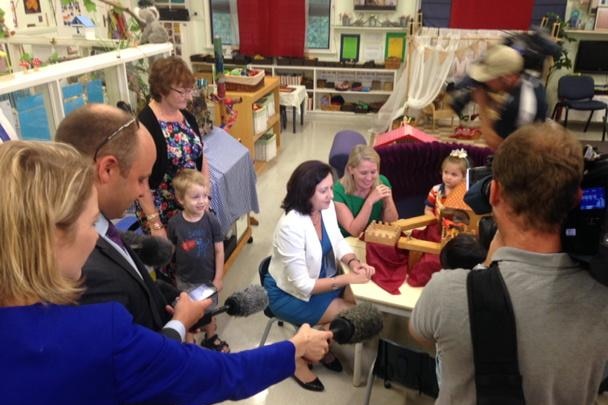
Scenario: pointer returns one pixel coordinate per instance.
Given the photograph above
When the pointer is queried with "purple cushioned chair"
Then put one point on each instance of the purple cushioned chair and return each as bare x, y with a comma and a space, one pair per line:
344, 142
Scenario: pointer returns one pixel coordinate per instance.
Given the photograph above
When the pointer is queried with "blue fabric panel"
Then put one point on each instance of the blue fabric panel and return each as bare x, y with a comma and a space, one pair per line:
33, 118
95, 92
72, 90
436, 13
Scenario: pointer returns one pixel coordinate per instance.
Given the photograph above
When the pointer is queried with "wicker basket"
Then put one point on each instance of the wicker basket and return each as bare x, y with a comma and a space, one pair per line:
331, 107
245, 83
243, 87
392, 63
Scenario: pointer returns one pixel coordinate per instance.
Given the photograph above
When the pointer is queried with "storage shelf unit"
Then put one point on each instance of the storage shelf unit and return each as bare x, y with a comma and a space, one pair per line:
244, 129
336, 75
49, 82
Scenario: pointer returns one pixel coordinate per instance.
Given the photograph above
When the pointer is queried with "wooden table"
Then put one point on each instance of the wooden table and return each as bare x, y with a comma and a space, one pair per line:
400, 305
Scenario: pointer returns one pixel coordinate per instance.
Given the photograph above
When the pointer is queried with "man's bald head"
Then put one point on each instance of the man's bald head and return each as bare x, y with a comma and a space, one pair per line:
88, 129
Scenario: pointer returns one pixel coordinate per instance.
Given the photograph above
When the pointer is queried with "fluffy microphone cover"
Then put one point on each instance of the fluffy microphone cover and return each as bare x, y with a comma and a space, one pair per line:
152, 250
249, 301
366, 322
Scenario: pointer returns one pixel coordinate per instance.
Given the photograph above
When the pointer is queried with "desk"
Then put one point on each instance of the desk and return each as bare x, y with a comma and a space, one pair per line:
294, 99
400, 305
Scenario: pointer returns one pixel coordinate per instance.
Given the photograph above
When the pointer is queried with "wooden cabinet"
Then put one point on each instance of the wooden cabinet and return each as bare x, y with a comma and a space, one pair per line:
244, 129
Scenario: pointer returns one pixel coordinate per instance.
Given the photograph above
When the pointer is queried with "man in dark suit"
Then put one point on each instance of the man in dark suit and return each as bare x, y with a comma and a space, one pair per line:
123, 154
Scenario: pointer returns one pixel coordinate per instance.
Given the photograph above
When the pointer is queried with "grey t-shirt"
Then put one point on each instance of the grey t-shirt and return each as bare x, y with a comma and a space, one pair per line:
194, 258
561, 316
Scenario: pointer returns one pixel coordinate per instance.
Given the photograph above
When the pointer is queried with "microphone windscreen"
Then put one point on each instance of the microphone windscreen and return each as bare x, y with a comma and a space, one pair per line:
357, 324
249, 301
152, 250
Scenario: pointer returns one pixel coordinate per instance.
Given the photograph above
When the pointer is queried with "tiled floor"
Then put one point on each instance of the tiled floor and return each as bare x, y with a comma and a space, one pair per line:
310, 142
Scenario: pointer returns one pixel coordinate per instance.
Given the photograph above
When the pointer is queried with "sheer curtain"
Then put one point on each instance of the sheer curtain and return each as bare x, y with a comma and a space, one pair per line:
434, 56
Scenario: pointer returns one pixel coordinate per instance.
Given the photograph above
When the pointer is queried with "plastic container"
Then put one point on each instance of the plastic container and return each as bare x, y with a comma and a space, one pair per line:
260, 119
266, 147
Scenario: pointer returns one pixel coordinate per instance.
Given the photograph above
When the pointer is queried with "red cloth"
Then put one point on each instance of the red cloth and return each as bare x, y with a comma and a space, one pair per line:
421, 272
390, 264
272, 27
484, 14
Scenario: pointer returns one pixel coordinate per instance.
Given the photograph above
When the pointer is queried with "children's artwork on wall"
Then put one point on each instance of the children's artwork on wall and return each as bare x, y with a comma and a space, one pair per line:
601, 19
31, 6
349, 47
395, 45
69, 11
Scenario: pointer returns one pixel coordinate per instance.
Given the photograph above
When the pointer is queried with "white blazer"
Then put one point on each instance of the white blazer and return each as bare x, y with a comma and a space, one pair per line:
297, 254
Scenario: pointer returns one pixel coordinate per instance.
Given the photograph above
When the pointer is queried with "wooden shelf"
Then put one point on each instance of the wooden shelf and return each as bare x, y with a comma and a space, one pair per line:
363, 28
271, 121
243, 129
372, 92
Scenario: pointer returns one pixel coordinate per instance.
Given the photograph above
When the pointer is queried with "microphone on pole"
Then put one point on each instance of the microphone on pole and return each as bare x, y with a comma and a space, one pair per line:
240, 303
357, 324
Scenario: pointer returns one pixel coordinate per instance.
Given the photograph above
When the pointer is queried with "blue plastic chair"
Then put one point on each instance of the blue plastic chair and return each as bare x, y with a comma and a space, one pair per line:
576, 92
344, 142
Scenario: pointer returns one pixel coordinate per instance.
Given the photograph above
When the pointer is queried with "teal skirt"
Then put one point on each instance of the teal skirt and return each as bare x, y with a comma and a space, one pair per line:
294, 310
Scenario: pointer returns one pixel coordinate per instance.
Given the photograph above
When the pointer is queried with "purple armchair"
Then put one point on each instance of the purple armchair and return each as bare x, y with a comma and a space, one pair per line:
413, 168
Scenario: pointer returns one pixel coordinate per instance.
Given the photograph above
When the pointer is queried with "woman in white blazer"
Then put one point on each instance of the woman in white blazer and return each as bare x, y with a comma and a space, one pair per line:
303, 284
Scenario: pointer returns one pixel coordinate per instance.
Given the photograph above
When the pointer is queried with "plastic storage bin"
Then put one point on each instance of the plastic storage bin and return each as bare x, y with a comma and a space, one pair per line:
266, 147
260, 119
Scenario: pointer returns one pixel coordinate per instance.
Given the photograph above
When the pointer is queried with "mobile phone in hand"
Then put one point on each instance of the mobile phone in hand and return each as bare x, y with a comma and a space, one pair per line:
202, 292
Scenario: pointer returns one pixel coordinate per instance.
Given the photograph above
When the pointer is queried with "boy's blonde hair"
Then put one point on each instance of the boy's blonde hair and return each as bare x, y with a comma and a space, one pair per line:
357, 155
185, 179
458, 157
45, 187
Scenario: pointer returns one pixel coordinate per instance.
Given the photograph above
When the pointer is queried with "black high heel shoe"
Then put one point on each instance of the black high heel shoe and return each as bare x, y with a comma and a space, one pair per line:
333, 365
314, 385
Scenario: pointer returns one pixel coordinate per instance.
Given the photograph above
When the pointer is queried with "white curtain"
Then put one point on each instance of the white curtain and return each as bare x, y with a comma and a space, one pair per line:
434, 56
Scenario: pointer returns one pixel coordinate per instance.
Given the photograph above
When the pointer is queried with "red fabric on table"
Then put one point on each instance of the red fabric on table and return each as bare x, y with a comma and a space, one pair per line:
272, 27
421, 272
484, 14
390, 264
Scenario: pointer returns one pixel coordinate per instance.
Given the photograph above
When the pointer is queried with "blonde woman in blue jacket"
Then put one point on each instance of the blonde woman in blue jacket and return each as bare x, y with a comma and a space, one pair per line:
303, 283
53, 351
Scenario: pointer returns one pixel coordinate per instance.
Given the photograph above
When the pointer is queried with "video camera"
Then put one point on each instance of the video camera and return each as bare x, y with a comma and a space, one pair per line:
585, 231
534, 48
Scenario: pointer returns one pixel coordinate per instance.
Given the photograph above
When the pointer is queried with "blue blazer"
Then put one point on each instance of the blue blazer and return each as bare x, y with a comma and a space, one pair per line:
95, 354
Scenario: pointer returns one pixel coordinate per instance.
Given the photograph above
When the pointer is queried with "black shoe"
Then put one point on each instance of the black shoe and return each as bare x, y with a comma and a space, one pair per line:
314, 385
333, 365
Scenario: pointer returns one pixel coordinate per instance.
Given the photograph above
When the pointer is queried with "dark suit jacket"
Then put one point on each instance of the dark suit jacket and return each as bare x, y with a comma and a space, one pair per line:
109, 276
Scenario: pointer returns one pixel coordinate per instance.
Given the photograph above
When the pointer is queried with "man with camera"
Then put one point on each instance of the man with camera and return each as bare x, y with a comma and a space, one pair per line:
560, 311
522, 97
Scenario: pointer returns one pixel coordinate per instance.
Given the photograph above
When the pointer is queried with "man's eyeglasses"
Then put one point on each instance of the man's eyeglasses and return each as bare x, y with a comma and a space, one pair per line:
184, 92
114, 135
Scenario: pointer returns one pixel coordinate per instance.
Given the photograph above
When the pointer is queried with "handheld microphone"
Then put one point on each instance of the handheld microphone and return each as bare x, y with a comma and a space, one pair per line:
356, 324
152, 250
241, 303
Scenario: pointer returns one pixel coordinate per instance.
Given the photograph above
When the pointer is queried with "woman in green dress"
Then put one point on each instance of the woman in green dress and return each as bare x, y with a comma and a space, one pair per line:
363, 194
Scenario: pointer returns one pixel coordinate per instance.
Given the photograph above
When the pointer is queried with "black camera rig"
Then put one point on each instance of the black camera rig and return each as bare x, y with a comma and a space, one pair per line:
585, 231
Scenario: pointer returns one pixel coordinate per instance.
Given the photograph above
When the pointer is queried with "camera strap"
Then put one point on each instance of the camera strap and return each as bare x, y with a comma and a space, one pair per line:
494, 338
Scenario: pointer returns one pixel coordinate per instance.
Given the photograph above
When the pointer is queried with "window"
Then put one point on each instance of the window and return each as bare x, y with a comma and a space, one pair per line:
318, 30
222, 23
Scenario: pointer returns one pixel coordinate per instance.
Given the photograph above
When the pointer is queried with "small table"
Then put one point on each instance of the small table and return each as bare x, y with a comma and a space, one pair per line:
294, 99
400, 305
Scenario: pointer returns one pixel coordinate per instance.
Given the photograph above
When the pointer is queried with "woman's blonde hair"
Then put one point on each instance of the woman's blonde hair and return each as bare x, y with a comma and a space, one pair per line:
45, 186
357, 155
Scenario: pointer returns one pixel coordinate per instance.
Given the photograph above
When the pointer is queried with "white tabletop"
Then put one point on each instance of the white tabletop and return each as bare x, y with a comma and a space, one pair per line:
401, 304
294, 98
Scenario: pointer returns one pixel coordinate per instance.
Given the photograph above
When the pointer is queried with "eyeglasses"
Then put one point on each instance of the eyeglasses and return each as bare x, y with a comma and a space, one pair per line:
184, 92
114, 135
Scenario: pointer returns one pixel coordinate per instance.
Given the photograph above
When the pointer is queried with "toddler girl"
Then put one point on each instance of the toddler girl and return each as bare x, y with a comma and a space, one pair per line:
453, 171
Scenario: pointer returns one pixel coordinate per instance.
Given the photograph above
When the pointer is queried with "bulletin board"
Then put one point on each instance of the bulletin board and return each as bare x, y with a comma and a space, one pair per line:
395, 45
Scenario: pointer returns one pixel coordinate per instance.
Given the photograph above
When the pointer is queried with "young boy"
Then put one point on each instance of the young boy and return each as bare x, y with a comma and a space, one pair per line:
199, 249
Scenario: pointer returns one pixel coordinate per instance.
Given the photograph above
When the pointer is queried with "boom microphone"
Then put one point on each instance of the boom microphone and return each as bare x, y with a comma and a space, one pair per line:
152, 250
357, 324
241, 303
